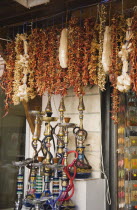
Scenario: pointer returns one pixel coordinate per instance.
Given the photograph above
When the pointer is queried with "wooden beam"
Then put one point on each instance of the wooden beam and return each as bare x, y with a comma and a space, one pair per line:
28, 116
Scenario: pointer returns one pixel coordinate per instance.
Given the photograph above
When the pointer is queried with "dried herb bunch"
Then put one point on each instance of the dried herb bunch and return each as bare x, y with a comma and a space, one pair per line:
8, 75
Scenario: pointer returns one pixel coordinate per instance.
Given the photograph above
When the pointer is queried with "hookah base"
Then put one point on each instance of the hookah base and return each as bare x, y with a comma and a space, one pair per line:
47, 207
82, 175
66, 205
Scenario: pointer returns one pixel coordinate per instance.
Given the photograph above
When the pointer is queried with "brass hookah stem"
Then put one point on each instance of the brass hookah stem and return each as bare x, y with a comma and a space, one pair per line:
81, 108
79, 143
61, 133
47, 160
35, 135
62, 109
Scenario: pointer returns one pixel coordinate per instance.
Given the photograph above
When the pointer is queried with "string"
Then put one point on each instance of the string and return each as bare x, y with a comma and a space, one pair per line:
108, 197
122, 7
109, 13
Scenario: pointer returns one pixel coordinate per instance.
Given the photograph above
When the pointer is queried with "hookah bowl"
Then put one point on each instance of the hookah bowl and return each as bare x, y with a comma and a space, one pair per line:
83, 169
66, 202
19, 192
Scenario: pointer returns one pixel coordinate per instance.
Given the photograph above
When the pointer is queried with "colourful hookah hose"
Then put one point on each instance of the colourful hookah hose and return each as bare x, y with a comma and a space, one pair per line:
70, 187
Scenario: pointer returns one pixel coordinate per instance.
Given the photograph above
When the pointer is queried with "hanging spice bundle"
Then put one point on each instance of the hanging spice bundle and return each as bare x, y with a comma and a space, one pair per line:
133, 54
88, 36
101, 73
75, 55
94, 56
21, 84
35, 51
118, 35
8, 75
62, 83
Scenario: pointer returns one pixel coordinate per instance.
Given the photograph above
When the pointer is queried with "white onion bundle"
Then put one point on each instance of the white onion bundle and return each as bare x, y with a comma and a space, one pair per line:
63, 49
107, 45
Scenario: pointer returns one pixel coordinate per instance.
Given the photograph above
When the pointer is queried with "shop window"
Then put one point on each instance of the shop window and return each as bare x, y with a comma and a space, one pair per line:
12, 148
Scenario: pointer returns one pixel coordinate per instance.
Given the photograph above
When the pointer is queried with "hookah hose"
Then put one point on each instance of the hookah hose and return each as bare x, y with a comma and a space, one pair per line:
71, 178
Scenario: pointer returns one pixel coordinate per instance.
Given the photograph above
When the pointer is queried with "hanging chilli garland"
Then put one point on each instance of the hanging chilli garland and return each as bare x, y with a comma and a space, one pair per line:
88, 37
35, 51
94, 56
75, 55
133, 54
101, 73
118, 29
8, 75
39, 69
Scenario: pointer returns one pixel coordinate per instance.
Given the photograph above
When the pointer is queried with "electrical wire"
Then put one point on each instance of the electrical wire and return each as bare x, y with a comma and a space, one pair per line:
108, 197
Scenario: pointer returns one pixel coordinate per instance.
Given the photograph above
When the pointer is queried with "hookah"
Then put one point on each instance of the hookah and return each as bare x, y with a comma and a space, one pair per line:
83, 169
20, 179
35, 180
48, 158
61, 133
64, 202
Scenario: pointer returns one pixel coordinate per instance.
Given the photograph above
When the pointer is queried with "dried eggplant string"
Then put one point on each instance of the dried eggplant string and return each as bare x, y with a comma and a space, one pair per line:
61, 83
101, 73
85, 46
118, 35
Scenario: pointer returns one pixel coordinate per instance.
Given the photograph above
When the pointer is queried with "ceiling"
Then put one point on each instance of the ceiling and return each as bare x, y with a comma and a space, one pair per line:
11, 12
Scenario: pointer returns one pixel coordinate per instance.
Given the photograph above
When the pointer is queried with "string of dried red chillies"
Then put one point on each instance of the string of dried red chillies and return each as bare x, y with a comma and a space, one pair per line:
101, 73
8, 75
133, 54
88, 36
94, 56
75, 55
42, 76
118, 35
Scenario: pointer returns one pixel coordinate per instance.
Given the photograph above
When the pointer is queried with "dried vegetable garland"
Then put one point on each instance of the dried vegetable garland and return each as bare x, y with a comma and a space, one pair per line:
101, 73
34, 51
39, 70
75, 55
133, 55
8, 75
118, 29
61, 84
94, 56
21, 89
88, 36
